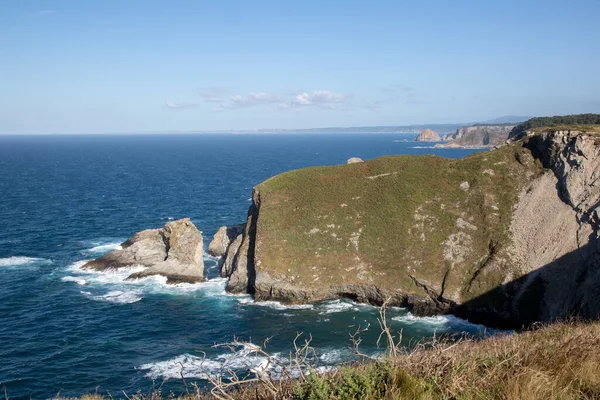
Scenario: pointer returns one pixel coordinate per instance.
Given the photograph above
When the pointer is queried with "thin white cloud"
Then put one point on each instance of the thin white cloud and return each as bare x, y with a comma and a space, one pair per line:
213, 94
247, 100
46, 12
178, 105
318, 98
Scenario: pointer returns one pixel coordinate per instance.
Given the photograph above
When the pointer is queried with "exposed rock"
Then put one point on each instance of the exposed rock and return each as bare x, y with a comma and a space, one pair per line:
231, 256
477, 136
222, 239
427, 135
354, 160
174, 251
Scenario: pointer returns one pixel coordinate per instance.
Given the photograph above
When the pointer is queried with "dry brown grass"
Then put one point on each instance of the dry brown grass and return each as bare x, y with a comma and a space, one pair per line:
560, 361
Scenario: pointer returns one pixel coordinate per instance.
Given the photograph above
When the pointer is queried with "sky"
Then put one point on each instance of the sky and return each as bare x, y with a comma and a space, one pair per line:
109, 66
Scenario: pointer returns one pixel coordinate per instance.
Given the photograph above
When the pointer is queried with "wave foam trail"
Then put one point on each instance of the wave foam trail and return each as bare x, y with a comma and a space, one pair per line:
117, 296
103, 248
121, 290
277, 305
16, 261
336, 306
186, 364
441, 321
75, 279
247, 358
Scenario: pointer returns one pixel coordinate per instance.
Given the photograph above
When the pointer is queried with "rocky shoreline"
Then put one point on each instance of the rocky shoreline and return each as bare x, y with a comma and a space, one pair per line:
531, 257
556, 215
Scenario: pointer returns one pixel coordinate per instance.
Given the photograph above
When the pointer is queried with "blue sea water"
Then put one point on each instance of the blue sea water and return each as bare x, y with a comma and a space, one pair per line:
66, 199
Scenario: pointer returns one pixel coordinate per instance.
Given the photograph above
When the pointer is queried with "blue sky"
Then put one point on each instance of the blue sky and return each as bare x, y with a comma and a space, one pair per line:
132, 66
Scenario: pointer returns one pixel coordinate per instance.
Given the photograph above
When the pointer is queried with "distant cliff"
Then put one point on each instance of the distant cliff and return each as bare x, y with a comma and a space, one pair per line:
478, 136
506, 237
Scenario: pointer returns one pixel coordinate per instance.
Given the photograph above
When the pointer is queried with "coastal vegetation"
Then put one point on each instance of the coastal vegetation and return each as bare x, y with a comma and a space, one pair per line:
558, 361
576, 122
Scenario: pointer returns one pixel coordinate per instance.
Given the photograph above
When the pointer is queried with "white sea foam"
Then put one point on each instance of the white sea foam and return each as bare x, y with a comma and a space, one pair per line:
440, 321
410, 319
117, 296
103, 248
280, 306
420, 147
191, 366
17, 261
332, 356
77, 280
247, 358
113, 281
186, 364
336, 306
76, 266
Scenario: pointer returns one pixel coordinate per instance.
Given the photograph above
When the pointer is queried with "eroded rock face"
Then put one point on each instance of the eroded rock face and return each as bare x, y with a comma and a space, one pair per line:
174, 251
427, 135
223, 238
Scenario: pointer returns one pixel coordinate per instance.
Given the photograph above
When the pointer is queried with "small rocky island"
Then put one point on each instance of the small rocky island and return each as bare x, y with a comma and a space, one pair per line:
174, 251
427, 135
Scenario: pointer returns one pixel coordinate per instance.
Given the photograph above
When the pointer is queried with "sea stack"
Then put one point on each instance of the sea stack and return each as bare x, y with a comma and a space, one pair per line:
427, 135
174, 251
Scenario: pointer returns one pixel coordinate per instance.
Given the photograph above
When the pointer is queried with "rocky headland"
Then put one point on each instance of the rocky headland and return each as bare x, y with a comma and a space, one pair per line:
477, 136
174, 251
427, 135
506, 237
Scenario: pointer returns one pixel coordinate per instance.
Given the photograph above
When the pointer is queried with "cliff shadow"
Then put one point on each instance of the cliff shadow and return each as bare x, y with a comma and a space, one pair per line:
250, 268
568, 287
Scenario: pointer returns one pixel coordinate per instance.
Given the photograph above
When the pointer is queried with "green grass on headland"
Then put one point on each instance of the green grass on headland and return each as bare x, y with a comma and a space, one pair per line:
391, 217
578, 122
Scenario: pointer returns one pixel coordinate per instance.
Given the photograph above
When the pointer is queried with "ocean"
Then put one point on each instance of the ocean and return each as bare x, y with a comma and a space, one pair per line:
65, 199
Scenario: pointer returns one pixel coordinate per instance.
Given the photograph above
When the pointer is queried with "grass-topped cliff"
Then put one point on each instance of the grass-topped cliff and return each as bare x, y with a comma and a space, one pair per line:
576, 122
506, 237
399, 222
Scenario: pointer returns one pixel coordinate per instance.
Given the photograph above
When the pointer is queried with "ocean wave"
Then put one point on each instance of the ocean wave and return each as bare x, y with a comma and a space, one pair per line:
420, 147
441, 321
336, 306
103, 248
246, 358
277, 305
117, 296
113, 281
77, 280
17, 261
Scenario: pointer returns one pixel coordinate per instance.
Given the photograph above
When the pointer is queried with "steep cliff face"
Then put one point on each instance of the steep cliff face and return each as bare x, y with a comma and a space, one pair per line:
506, 237
555, 242
478, 136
